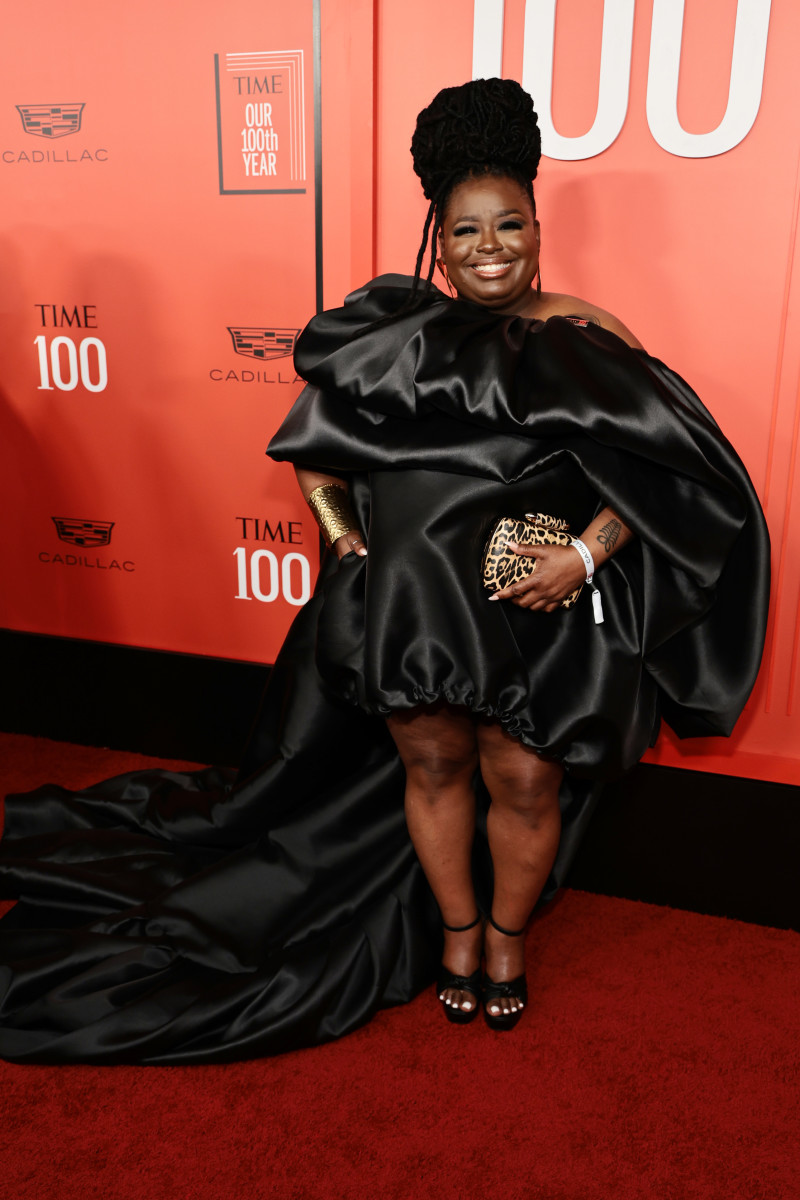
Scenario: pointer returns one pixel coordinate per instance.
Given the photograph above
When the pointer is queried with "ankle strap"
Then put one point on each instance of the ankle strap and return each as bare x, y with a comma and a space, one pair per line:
507, 932
461, 928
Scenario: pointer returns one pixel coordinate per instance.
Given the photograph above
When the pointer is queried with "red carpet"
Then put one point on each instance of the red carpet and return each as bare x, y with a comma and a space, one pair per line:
658, 1059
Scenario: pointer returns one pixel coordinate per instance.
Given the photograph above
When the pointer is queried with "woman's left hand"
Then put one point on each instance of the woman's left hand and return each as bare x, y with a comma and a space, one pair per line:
559, 571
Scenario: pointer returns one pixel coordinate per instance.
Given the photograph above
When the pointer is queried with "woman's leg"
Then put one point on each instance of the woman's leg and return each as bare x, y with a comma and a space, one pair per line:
524, 826
438, 748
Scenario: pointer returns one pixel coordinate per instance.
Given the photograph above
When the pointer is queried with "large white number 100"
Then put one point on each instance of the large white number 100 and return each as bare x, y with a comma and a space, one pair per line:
77, 364
744, 94
279, 575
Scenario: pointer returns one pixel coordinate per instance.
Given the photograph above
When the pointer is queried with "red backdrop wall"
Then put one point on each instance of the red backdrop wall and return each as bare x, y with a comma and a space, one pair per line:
184, 183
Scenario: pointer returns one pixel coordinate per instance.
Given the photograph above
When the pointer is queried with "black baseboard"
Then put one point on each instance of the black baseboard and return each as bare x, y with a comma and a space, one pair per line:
710, 843
127, 698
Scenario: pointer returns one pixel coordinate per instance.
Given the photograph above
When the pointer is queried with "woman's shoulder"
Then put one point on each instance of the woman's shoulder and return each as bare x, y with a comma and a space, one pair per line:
560, 304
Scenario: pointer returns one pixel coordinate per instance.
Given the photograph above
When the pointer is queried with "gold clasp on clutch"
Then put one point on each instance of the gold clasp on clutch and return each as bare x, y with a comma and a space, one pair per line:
549, 522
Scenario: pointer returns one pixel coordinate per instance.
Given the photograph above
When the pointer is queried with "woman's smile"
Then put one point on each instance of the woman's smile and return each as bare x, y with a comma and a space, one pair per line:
491, 270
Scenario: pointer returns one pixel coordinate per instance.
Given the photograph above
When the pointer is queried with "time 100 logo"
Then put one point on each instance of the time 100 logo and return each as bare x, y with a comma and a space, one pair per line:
66, 360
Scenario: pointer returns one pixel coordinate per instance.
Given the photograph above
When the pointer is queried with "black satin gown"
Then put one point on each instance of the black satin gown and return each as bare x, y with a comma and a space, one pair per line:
169, 918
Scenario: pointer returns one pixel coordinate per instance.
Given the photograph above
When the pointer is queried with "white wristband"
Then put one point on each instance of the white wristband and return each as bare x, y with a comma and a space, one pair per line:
588, 562
585, 554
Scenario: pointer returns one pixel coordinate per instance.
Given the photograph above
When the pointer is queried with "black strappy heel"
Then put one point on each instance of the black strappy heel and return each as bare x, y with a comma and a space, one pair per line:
463, 983
514, 989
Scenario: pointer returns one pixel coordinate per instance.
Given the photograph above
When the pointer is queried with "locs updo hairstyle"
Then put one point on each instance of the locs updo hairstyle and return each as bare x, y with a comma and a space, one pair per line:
484, 127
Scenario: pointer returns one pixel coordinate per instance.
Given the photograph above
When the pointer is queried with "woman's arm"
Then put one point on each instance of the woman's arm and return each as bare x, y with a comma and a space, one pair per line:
310, 481
606, 534
561, 569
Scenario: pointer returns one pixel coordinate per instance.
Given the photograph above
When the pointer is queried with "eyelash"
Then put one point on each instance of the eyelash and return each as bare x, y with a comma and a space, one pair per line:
465, 230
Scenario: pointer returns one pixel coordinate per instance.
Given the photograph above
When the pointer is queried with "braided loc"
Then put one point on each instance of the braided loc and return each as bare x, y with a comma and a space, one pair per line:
484, 127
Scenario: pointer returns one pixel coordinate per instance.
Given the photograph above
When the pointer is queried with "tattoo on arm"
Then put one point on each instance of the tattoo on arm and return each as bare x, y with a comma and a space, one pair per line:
609, 534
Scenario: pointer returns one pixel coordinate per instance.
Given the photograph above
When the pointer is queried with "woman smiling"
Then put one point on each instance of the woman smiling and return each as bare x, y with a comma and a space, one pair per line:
543, 404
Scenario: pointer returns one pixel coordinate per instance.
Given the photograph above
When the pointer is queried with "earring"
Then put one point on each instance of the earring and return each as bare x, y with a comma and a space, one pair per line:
539, 283
440, 263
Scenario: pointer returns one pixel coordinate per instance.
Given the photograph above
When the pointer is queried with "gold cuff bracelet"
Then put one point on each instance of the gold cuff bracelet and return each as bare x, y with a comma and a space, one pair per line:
331, 506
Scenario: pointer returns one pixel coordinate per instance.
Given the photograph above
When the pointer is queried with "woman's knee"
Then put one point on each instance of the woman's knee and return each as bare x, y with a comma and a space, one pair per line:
533, 807
440, 750
518, 779
439, 764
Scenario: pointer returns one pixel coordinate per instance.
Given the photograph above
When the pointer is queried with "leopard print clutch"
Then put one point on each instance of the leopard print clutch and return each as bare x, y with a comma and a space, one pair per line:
500, 567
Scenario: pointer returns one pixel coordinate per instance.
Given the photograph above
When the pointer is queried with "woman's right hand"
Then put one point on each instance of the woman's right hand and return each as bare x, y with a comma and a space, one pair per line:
352, 540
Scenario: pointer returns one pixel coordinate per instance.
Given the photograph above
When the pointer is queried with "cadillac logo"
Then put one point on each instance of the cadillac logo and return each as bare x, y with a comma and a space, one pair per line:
51, 120
83, 533
263, 343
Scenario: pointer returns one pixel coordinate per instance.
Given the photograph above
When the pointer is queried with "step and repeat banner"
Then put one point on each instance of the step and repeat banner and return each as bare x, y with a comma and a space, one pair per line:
183, 185
161, 250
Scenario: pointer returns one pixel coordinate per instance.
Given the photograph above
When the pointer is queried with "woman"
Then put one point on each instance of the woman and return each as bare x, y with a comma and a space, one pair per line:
488, 246
190, 919
476, 149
